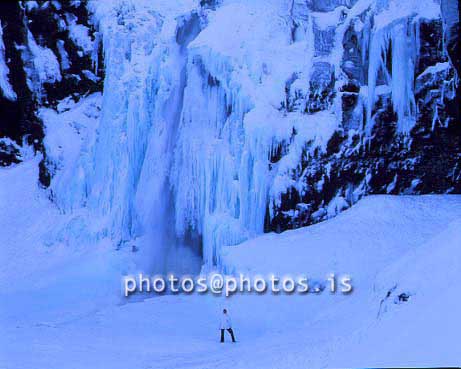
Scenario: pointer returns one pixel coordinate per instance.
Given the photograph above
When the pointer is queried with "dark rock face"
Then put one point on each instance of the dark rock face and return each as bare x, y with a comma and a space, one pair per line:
426, 160
17, 118
47, 29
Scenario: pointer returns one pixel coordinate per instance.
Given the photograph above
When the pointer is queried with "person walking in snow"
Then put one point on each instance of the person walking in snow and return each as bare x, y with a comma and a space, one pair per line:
226, 324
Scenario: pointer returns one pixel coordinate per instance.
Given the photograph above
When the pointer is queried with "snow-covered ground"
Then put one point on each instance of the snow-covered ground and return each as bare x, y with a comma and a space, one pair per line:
61, 306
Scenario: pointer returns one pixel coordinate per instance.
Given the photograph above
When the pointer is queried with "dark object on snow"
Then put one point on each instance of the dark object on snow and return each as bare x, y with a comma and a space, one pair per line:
403, 297
231, 332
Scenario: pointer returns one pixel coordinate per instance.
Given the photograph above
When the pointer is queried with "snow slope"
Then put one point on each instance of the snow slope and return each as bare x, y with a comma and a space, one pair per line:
375, 233
61, 308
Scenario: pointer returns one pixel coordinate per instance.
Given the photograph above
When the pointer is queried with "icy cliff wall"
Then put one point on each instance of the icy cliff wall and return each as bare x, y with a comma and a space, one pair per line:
294, 111
48, 52
220, 120
399, 110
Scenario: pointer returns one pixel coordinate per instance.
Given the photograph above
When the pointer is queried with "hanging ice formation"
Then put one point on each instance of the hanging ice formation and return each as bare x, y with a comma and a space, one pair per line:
207, 114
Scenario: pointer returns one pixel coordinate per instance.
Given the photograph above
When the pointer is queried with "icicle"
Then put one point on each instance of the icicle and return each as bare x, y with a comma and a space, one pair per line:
400, 40
403, 71
376, 64
435, 118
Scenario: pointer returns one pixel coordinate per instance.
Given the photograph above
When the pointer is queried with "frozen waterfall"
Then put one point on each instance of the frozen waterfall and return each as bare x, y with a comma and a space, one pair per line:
207, 114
